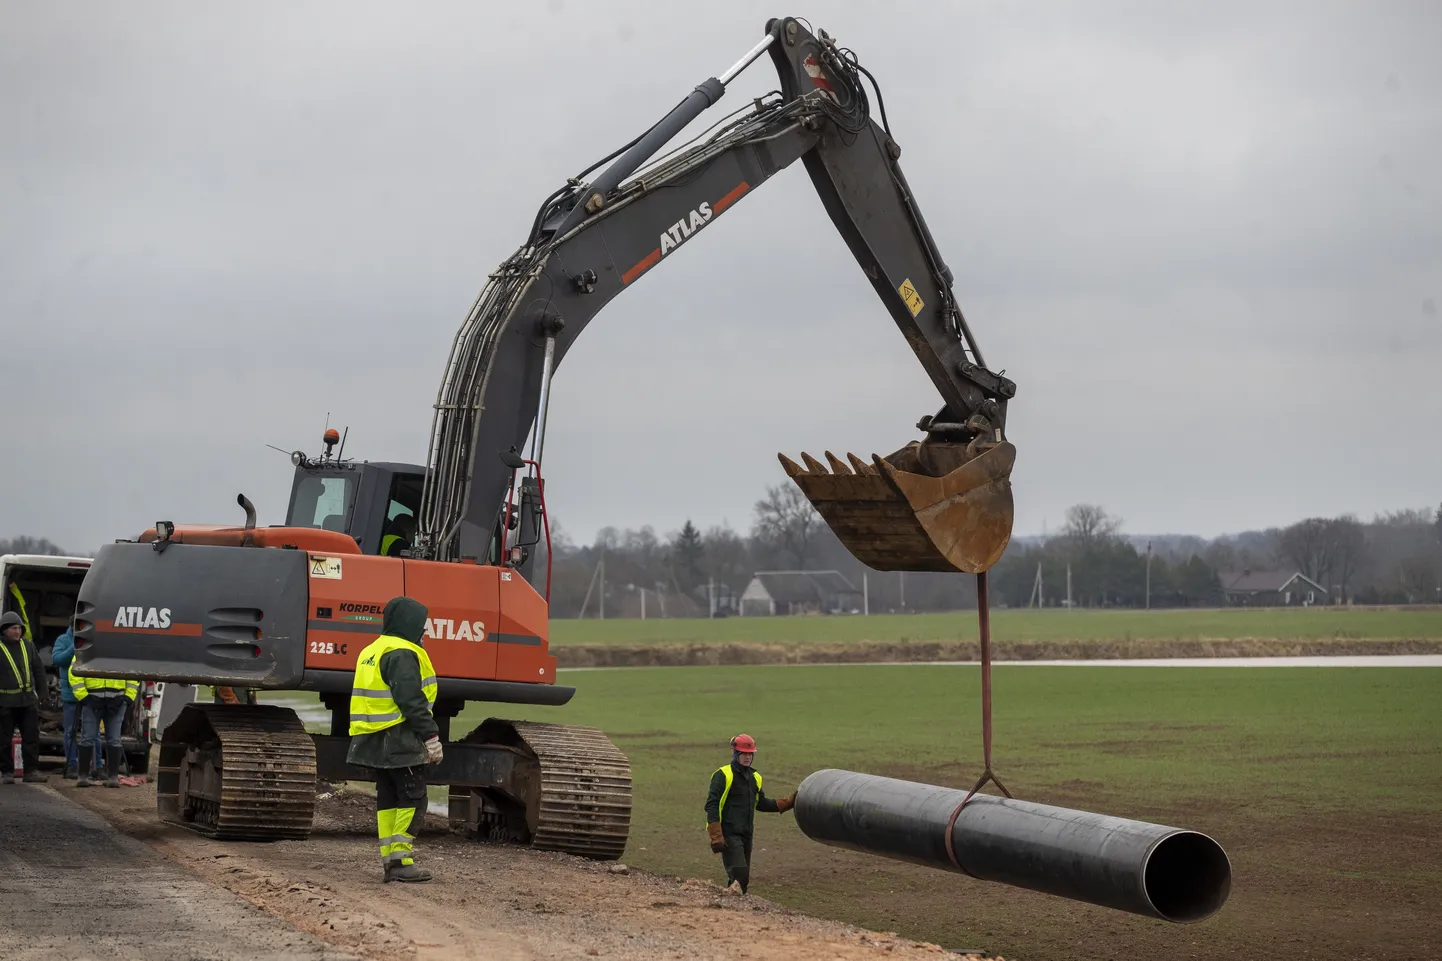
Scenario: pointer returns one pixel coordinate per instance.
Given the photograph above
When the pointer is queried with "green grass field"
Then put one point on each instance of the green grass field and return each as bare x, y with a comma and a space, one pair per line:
1018, 625
1321, 783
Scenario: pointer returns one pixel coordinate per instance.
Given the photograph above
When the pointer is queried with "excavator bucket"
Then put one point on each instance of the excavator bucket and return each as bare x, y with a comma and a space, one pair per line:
927, 507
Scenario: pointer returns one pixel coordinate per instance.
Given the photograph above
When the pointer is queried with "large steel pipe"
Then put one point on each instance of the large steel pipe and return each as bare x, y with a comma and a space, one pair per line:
1163, 872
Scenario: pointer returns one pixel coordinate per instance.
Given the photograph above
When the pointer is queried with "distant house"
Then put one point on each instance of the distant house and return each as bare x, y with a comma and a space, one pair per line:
799, 592
1271, 589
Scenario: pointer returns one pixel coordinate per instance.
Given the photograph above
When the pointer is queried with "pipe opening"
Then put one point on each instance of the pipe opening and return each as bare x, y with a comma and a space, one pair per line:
1187, 877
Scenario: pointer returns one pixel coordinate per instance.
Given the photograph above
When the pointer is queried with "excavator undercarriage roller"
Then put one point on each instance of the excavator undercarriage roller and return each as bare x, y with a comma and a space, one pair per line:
247, 772
570, 790
238, 772
927, 507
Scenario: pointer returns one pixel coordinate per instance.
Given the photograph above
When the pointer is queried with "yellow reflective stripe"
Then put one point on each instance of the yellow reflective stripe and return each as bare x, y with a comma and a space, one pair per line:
373, 718
387, 541
25, 657
725, 773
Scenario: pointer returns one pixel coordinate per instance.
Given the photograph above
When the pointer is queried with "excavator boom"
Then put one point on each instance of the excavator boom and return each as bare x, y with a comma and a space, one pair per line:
941, 503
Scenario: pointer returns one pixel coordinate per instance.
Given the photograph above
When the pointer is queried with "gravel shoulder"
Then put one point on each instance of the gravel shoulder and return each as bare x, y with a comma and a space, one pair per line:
487, 901
73, 888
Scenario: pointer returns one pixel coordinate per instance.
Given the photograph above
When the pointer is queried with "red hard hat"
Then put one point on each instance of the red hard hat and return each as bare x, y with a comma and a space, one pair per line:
744, 743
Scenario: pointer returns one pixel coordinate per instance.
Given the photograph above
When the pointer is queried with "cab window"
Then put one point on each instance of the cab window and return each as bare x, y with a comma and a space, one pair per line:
405, 504
323, 502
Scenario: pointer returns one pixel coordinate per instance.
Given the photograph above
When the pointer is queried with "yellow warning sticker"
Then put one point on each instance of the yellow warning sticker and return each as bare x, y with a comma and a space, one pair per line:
327, 567
912, 298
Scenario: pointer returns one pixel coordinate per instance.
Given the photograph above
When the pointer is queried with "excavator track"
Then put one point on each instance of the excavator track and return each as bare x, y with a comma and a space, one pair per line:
238, 772
572, 791
585, 801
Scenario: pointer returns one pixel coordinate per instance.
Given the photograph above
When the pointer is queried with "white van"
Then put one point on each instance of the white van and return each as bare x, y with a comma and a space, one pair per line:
42, 589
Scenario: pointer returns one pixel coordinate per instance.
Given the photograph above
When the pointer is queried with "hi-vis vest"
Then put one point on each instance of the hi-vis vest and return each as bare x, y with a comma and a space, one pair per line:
371, 706
83, 687
26, 678
727, 773
386, 543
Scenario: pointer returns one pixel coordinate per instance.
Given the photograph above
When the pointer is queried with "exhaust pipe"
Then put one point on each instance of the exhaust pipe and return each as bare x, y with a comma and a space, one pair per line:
1150, 869
248, 539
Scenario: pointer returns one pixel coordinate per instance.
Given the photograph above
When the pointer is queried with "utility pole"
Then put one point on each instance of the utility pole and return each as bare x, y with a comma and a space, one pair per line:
1149, 575
1036, 590
602, 570
711, 595
1068, 587
903, 590
643, 603
865, 596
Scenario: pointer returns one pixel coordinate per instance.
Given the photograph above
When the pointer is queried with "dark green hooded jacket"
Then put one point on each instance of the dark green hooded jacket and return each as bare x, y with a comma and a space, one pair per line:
400, 745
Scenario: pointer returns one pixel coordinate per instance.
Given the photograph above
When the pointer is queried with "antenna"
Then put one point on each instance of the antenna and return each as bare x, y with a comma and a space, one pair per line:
340, 454
273, 447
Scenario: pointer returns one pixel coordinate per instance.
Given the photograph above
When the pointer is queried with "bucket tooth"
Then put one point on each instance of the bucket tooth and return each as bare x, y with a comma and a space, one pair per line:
814, 465
926, 507
859, 465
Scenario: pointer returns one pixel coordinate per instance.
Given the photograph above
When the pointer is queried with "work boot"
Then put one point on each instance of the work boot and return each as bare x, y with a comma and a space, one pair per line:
87, 754
7, 779
735, 887
113, 756
70, 773
406, 872
35, 777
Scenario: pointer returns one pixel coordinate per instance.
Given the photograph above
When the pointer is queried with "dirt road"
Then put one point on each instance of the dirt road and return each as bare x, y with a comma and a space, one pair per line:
487, 901
72, 888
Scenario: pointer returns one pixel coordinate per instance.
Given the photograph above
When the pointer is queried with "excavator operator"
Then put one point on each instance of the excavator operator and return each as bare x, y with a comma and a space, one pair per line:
394, 732
402, 533
734, 798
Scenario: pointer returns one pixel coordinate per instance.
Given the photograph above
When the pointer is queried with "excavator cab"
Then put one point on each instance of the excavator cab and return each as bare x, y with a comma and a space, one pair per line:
364, 500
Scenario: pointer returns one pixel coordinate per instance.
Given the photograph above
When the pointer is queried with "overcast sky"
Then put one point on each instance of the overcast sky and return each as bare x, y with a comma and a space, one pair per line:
1205, 240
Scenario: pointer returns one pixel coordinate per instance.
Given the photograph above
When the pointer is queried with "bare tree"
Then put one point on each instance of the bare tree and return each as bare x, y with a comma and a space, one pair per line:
1308, 545
1089, 526
786, 521
31, 545
726, 557
1346, 545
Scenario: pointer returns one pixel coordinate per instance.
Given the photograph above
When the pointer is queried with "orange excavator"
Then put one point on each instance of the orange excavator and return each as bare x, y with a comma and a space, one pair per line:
248, 609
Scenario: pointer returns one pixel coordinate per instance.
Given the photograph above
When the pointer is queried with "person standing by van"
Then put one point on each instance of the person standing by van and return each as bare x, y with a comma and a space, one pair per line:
61, 654
21, 675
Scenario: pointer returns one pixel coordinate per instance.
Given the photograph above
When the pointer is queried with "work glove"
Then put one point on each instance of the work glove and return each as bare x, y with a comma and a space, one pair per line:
433, 750
784, 804
718, 843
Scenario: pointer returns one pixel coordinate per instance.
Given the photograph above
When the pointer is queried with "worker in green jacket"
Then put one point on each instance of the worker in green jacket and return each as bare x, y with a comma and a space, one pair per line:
394, 732
734, 798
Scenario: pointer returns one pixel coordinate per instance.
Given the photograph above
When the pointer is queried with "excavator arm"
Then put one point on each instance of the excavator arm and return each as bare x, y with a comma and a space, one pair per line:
942, 503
